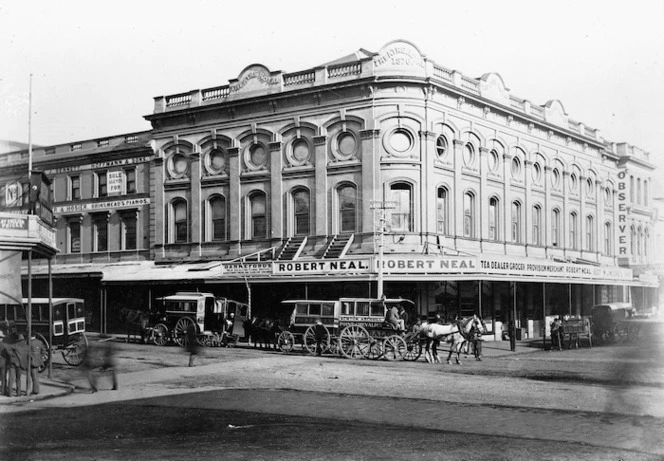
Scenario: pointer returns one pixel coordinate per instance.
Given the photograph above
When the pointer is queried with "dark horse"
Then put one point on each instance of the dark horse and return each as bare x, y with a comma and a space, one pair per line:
136, 323
263, 332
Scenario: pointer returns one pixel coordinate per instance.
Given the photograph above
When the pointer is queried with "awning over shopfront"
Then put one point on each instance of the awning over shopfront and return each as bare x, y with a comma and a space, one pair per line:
395, 268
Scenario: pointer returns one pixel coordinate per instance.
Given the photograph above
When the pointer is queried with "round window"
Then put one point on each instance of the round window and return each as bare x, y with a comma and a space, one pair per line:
178, 165
300, 151
346, 144
573, 182
555, 178
258, 155
468, 154
441, 146
400, 141
607, 195
590, 190
216, 161
516, 167
493, 160
537, 173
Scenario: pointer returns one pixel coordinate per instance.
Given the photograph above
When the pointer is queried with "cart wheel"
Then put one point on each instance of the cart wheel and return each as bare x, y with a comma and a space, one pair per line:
180, 330
76, 350
375, 350
286, 341
160, 334
354, 342
394, 348
309, 340
46, 352
413, 351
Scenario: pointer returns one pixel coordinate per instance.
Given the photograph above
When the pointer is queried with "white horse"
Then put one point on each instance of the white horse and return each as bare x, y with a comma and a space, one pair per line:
456, 334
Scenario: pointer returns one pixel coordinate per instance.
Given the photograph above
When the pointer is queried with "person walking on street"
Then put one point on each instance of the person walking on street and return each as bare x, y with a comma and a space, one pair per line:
192, 343
320, 332
512, 330
36, 362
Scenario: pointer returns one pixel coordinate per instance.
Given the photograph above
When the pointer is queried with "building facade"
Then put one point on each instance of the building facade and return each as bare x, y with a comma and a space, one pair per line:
378, 173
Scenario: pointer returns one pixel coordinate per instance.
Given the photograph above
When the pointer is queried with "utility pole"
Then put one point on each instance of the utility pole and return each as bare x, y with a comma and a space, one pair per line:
379, 208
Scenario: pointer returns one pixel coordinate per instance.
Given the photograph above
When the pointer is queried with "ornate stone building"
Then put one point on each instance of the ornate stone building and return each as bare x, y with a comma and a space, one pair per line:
385, 172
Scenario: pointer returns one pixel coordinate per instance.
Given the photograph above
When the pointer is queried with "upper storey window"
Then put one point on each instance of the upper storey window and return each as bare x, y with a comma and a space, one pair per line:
347, 209
401, 195
441, 147
301, 211
468, 154
215, 161
494, 160
178, 165
258, 217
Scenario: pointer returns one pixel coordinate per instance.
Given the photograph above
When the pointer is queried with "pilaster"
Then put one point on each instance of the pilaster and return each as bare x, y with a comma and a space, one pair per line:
372, 183
234, 195
276, 197
321, 192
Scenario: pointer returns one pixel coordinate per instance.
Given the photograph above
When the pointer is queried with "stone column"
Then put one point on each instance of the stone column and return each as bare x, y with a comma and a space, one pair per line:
235, 199
428, 192
582, 214
276, 195
564, 221
599, 213
372, 183
321, 194
483, 199
157, 211
547, 212
457, 199
527, 208
507, 200
195, 207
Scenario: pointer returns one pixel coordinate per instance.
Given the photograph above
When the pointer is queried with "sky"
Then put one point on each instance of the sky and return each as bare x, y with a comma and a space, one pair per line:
96, 66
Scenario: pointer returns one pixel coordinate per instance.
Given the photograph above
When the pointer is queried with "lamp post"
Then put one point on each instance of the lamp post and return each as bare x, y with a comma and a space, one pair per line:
379, 208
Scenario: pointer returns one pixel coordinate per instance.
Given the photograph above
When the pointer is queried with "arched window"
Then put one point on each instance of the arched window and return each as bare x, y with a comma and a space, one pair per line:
646, 242
638, 190
179, 221
494, 222
258, 216
400, 194
537, 225
590, 233
555, 227
639, 242
632, 240
645, 192
608, 238
347, 209
441, 211
301, 211
516, 222
217, 222
469, 215
573, 230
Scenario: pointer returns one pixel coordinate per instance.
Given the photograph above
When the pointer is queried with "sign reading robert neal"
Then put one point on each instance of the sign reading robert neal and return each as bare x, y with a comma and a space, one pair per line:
400, 56
322, 266
255, 77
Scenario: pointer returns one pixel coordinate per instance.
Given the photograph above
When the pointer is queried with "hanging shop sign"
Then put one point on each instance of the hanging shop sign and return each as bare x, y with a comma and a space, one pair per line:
247, 269
322, 267
98, 206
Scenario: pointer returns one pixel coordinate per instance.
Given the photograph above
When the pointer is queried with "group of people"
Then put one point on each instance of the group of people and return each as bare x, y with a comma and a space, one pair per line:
397, 317
17, 355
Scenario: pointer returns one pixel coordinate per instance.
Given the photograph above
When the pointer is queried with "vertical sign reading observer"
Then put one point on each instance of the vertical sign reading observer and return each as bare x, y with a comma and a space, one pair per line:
622, 215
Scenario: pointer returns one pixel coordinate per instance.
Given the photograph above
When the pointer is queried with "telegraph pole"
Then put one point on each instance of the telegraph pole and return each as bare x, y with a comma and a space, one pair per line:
379, 208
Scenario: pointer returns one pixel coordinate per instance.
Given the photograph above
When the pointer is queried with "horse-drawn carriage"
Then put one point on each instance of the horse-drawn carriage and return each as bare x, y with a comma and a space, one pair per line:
66, 325
217, 321
610, 322
573, 328
354, 328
